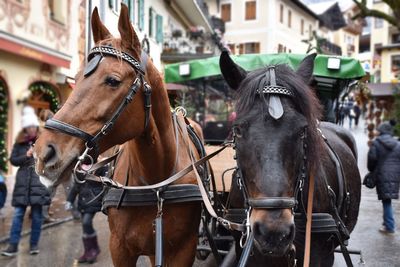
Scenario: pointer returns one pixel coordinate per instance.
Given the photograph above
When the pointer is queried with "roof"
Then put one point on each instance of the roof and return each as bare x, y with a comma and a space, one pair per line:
332, 17
389, 46
349, 68
305, 8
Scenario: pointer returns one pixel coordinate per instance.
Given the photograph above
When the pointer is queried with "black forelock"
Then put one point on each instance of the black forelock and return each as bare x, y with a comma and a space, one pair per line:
304, 100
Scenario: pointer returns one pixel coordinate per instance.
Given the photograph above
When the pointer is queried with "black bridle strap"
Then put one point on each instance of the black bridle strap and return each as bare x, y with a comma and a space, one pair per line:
272, 202
90, 140
68, 129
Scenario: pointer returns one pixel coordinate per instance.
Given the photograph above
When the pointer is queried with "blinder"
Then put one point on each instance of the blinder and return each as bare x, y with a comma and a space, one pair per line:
92, 65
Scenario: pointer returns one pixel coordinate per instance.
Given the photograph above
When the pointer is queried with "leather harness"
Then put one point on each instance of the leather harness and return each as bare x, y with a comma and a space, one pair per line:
157, 194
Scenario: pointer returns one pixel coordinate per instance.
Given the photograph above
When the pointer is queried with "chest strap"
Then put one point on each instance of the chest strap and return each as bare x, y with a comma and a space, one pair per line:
178, 193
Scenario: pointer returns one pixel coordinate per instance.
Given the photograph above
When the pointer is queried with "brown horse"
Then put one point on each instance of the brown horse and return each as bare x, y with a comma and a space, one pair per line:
150, 153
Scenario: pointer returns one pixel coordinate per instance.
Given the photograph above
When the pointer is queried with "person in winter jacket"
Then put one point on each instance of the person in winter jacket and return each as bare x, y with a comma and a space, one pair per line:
384, 163
28, 190
89, 203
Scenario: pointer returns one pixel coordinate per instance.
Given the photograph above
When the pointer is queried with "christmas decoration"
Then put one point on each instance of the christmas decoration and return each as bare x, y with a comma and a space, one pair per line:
3, 128
48, 92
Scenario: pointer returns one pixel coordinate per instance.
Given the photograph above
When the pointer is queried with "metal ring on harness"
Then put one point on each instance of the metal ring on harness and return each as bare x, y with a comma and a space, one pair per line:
245, 235
181, 110
78, 166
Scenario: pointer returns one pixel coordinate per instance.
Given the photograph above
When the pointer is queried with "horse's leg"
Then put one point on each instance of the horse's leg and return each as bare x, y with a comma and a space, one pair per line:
120, 255
183, 255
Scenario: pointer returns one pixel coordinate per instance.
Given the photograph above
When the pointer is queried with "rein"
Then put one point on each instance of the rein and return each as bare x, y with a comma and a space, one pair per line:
91, 141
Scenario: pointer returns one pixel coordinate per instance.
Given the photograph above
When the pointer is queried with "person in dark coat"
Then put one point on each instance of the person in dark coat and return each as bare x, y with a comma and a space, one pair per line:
28, 190
384, 163
87, 192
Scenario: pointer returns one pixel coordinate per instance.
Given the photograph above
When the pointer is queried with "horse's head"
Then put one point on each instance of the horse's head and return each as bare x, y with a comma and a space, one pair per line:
110, 91
275, 137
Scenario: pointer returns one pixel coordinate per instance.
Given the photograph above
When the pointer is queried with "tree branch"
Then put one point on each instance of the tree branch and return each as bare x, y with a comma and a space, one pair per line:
366, 12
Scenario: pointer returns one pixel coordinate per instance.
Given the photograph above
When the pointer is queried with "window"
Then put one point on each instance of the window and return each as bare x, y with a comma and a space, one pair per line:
289, 22
378, 23
131, 9
310, 33
140, 11
114, 5
159, 29
250, 10
281, 14
396, 64
250, 48
58, 11
396, 38
282, 48
302, 26
226, 12
232, 48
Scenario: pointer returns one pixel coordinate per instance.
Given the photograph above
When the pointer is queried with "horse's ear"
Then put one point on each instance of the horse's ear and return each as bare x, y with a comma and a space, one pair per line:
306, 68
233, 73
129, 38
100, 32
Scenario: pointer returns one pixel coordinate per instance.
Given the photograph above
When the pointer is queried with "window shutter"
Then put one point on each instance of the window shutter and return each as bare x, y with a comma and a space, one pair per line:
151, 22
159, 25
241, 49
250, 10
226, 12
257, 48
131, 9
141, 14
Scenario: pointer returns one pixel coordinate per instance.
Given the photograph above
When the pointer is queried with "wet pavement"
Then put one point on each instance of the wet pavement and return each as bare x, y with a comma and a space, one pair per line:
61, 241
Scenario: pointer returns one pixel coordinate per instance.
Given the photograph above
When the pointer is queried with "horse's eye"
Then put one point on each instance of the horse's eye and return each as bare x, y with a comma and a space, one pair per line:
112, 81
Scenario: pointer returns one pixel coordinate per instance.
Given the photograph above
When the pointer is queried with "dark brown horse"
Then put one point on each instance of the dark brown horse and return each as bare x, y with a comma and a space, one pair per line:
279, 146
150, 153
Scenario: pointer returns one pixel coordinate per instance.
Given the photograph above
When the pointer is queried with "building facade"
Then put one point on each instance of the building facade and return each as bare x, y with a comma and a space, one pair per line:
173, 30
38, 44
257, 26
384, 47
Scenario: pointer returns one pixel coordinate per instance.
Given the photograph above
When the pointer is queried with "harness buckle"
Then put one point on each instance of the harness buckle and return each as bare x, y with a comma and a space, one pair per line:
106, 128
160, 202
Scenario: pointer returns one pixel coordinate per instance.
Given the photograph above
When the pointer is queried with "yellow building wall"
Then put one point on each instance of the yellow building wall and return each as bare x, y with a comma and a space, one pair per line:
387, 74
18, 73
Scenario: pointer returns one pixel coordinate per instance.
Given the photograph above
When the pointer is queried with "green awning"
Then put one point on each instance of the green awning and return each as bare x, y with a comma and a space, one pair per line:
349, 68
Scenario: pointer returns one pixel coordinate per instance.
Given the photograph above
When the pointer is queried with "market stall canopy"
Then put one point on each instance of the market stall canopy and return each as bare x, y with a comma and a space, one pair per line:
344, 68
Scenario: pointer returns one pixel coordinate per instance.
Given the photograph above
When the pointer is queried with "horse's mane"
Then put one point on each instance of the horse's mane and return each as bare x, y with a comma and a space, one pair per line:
304, 100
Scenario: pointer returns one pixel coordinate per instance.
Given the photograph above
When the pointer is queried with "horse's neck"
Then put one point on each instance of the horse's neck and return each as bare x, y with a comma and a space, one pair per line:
152, 157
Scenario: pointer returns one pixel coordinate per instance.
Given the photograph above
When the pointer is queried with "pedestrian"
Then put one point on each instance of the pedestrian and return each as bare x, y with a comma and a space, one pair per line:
357, 113
3, 193
28, 190
384, 164
341, 114
89, 203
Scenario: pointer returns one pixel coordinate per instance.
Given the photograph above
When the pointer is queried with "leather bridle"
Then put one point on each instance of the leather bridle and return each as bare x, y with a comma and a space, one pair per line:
273, 202
91, 141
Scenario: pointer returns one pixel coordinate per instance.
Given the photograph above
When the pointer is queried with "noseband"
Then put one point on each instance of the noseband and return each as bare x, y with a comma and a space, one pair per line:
272, 89
91, 141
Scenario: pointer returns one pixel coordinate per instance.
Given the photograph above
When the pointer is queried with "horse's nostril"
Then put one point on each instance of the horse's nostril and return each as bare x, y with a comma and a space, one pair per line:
49, 154
260, 229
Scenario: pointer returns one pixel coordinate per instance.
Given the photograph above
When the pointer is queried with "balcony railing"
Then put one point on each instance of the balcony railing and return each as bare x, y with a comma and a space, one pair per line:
330, 48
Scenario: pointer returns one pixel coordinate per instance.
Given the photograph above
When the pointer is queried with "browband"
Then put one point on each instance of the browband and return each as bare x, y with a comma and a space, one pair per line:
111, 51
